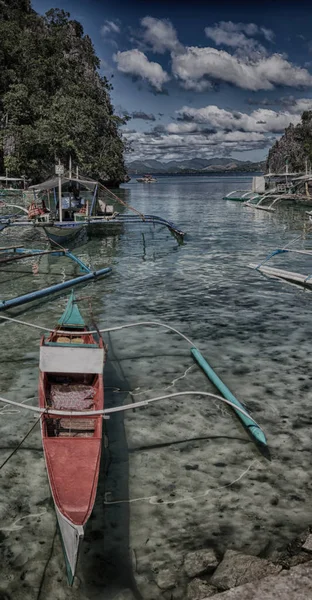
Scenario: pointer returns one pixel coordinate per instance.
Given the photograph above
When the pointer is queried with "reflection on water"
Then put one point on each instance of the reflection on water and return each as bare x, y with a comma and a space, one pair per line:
209, 486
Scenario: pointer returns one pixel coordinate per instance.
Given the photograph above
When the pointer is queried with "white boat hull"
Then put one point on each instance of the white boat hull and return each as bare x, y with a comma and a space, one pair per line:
71, 536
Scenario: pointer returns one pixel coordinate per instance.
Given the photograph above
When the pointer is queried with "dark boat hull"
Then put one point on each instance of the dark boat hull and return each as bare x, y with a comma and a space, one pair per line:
66, 233
58, 236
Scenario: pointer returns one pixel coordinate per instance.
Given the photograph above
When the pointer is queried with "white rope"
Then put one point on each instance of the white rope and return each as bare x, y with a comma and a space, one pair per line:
161, 502
108, 411
107, 329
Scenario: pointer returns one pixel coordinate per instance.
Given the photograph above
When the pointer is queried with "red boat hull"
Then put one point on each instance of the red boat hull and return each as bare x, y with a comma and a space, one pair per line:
72, 443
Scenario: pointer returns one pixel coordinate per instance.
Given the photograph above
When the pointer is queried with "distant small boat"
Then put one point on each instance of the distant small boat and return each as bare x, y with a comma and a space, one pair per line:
71, 379
147, 179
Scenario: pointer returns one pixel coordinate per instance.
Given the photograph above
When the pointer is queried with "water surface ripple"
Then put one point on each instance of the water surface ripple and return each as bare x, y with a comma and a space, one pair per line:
192, 475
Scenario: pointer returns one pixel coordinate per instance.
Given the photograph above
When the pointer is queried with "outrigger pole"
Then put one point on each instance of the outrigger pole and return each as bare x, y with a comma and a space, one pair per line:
5, 304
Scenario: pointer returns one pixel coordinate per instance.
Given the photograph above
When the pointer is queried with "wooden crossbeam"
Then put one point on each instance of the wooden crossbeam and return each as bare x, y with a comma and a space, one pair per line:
11, 258
3, 249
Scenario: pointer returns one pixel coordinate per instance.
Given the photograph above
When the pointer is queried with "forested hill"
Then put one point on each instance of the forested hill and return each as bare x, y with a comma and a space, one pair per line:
295, 146
53, 101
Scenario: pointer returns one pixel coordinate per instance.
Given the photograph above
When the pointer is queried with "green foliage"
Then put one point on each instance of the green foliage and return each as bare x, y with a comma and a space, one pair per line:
53, 101
295, 146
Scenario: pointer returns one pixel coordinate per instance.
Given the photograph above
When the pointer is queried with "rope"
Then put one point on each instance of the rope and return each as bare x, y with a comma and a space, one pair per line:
60, 246
23, 440
107, 329
160, 501
122, 201
140, 404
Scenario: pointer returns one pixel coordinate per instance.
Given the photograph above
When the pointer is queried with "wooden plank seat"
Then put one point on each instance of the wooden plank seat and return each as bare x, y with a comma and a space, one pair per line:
70, 427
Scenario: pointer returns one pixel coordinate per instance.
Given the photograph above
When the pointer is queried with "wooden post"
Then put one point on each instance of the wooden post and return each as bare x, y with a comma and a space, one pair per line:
60, 195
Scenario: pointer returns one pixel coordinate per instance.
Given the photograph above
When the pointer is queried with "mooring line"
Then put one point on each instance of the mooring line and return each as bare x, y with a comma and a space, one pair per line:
155, 500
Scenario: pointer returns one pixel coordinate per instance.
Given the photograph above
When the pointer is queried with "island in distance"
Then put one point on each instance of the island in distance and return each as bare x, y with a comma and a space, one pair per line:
193, 165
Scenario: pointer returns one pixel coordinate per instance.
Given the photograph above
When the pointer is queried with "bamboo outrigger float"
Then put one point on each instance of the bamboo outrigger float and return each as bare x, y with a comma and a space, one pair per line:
248, 422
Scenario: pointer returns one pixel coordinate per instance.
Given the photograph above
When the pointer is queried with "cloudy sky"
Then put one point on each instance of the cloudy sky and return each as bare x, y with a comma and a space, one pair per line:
201, 79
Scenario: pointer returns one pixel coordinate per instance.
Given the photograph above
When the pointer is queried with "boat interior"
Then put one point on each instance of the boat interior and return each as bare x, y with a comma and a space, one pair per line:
59, 337
72, 392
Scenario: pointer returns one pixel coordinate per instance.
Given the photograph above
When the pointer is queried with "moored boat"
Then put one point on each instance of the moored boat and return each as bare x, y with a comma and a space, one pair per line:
147, 179
71, 379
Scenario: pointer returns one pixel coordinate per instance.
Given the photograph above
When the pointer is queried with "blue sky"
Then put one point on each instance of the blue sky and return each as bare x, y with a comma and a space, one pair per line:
201, 79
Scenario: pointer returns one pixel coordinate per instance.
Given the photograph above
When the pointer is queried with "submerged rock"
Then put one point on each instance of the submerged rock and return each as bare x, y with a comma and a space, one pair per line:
199, 589
237, 569
307, 546
166, 579
295, 584
199, 562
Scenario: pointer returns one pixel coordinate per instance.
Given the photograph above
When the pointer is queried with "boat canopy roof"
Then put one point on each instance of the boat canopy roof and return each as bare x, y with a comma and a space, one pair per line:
4, 178
304, 178
53, 183
284, 174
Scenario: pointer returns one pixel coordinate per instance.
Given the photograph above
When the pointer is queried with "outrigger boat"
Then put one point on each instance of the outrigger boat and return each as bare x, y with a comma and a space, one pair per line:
71, 379
281, 274
83, 209
71, 403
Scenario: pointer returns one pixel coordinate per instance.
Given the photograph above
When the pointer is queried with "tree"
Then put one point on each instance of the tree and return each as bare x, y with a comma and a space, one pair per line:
53, 100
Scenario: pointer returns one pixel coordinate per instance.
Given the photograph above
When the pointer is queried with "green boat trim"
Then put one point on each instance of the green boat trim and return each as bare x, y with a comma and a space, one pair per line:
242, 196
71, 316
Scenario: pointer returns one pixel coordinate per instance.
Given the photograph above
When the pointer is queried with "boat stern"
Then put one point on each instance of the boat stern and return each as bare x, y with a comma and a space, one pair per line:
71, 537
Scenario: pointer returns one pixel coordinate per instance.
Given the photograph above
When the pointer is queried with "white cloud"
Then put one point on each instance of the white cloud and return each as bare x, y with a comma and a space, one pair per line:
110, 27
235, 35
188, 145
260, 120
160, 35
268, 34
181, 127
298, 106
134, 62
238, 35
195, 65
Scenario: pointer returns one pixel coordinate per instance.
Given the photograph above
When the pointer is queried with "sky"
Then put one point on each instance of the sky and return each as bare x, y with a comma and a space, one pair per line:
201, 79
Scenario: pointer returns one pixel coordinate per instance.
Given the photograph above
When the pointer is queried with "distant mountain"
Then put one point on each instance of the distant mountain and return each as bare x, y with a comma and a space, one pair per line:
193, 165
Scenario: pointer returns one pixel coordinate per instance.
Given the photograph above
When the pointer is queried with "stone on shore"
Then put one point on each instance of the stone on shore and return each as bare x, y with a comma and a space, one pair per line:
166, 579
199, 562
295, 584
307, 546
199, 590
237, 569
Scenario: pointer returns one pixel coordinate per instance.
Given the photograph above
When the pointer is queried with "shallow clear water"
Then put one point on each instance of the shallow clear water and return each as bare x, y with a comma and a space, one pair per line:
193, 477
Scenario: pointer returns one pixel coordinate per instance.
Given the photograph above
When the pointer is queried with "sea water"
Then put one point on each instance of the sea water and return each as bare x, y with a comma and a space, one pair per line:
180, 474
